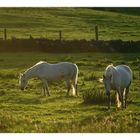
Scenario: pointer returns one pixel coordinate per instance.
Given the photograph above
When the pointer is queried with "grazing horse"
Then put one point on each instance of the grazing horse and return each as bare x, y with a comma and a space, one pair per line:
118, 78
49, 73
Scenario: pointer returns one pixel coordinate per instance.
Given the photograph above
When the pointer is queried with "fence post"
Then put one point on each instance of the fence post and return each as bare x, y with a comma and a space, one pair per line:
60, 35
96, 33
31, 37
5, 34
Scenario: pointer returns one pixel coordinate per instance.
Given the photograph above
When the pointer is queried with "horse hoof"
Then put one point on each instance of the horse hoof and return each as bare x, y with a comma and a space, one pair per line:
117, 108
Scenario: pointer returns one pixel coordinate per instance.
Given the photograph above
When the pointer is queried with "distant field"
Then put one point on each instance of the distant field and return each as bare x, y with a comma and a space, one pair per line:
28, 111
75, 23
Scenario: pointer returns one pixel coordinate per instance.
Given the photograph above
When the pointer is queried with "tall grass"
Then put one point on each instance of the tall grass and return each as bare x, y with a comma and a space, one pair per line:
96, 96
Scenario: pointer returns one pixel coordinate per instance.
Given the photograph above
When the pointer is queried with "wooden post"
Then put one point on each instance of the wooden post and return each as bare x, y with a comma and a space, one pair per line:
60, 35
31, 37
5, 34
96, 33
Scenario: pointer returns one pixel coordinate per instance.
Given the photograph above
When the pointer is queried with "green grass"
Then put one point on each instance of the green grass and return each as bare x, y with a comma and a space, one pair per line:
29, 111
76, 23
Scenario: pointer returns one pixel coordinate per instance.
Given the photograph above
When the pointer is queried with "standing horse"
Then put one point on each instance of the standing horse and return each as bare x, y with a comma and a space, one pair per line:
118, 78
49, 73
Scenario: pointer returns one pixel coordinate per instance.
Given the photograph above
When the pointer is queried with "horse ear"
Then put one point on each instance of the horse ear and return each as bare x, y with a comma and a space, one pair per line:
21, 75
100, 80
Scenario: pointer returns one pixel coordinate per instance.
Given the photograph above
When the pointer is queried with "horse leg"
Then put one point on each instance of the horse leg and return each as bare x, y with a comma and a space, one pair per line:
68, 87
123, 96
109, 101
126, 95
75, 88
45, 88
123, 100
118, 97
117, 100
74, 79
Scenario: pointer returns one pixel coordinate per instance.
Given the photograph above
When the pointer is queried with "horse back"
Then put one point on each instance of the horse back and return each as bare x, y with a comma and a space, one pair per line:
63, 70
125, 74
126, 69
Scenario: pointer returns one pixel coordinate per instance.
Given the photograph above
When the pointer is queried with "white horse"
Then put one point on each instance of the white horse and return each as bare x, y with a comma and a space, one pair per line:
49, 73
118, 78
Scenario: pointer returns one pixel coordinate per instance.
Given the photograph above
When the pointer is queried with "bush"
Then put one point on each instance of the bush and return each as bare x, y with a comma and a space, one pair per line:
94, 96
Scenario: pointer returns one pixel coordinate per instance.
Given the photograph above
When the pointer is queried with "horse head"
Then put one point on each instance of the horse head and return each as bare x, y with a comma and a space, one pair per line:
107, 82
22, 81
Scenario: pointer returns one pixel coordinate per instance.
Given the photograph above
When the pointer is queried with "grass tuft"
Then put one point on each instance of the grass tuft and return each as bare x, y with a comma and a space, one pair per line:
94, 96
90, 77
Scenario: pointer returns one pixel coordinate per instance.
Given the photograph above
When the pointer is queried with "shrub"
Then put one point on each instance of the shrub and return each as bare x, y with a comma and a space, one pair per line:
94, 96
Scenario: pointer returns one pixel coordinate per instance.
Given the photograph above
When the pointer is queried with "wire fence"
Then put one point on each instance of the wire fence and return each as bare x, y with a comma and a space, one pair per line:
49, 34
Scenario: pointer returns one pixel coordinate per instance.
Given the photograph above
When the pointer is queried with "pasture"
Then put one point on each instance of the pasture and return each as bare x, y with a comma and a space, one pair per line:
75, 23
29, 111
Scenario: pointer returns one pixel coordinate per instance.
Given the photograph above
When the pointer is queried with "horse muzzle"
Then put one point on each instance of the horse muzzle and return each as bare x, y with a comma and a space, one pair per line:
107, 93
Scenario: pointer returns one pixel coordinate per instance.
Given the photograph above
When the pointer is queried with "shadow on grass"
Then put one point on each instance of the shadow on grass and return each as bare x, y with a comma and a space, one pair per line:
29, 99
134, 103
97, 106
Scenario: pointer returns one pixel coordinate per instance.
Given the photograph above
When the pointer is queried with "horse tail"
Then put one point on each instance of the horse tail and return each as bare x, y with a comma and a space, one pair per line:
75, 78
75, 74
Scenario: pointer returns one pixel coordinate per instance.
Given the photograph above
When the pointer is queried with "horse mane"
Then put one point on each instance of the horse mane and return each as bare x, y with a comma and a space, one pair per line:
40, 62
109, 68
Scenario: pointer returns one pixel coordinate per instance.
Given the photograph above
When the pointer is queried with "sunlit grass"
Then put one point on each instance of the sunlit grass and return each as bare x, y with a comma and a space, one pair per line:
75, 23
29, 111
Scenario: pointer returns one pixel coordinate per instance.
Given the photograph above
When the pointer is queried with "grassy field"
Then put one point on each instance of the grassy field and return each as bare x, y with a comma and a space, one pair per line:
76, 23
29, 111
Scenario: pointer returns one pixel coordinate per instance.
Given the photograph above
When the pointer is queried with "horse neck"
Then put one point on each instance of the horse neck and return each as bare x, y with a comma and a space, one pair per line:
112, 72
115, 76
30, 73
